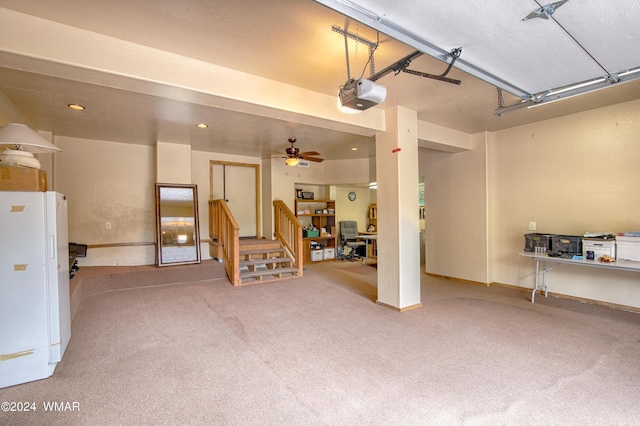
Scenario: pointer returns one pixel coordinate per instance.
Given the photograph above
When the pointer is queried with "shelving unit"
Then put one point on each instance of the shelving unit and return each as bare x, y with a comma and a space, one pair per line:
373, 216
373, 220
306, 213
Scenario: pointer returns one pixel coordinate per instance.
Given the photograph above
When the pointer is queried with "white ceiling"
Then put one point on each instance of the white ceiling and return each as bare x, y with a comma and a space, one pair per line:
584, 39
291, 41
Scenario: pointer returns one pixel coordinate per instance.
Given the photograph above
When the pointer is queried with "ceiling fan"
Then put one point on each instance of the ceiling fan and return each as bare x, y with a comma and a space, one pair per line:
294, 155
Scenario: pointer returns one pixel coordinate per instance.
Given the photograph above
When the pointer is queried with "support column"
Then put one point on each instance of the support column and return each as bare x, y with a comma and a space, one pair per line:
398, 221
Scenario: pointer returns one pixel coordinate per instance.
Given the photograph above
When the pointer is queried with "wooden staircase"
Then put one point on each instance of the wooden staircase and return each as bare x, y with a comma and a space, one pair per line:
255, 260
263, 261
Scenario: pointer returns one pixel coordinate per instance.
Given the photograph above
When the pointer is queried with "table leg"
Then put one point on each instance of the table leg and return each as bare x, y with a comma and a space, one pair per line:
544, 276
539, 273
535, 287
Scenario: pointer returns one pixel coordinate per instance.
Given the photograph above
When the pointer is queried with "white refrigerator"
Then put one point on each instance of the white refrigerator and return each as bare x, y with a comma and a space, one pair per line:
35, 315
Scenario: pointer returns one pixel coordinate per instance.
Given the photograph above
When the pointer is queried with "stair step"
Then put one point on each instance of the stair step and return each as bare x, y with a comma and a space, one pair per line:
262, 260
265, 261
256, 244
268, 272
274, 250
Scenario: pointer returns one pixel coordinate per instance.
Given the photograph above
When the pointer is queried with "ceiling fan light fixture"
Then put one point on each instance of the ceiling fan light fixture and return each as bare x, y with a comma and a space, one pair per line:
292, 161
294, 156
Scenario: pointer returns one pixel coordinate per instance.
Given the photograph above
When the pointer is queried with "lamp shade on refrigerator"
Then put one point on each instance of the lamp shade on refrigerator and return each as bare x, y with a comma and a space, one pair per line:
35, 317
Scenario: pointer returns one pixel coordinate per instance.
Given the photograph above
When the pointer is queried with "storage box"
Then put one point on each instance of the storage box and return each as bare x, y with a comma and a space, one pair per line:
311, 233
628, 248
316, 245
329, 253
569, 244
316, 255
531, 241
599, 247
22, 179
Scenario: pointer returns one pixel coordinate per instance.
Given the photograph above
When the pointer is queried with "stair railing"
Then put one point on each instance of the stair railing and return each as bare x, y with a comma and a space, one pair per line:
288, 230
225, 232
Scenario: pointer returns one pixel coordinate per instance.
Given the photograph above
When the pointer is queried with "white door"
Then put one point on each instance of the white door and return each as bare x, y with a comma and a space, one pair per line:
58, 279
237, 186
24, 337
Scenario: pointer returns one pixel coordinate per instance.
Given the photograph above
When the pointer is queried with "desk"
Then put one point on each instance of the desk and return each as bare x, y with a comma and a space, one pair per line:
367, 238
542, 259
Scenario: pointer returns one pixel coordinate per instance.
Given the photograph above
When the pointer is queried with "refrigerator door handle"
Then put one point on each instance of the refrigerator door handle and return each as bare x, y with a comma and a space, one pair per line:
53, 248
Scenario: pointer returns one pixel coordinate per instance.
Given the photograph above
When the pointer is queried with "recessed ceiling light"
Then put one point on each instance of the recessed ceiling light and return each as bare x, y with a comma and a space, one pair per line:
202, 126
354, 148
76, 107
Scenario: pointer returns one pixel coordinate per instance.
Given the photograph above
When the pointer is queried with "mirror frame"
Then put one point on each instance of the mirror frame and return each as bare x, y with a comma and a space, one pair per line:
160, 261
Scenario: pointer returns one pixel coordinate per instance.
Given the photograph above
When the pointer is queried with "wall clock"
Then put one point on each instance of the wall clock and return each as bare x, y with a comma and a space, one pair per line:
352, 196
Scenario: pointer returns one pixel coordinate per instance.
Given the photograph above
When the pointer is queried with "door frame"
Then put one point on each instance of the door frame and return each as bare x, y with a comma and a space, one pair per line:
256, 168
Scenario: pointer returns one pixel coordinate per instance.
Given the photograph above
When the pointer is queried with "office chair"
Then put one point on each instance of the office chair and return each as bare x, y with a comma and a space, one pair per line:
349, 237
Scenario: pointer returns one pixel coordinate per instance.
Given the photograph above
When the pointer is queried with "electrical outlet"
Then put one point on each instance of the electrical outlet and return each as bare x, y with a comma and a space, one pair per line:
108, 225
532, 226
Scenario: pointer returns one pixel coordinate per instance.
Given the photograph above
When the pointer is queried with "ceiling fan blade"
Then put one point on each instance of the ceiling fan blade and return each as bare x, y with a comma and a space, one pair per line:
317, 160
294, 152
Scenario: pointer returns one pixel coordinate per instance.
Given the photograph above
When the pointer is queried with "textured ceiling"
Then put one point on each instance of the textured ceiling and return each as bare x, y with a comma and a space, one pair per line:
583, 39
291, 41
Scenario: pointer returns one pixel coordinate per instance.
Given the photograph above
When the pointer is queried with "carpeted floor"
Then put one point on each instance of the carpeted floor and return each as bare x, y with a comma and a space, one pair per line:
182, 346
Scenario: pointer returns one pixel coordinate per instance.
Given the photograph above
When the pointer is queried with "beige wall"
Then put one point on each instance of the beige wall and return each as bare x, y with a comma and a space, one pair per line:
114, 182
9, 113
347, 171
442, 139
173, 163
456, 211
266, 192
357, 210
108, 182
570, 175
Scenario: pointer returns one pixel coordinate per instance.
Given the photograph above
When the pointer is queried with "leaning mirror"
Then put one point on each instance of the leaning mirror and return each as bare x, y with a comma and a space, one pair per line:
177, 230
